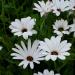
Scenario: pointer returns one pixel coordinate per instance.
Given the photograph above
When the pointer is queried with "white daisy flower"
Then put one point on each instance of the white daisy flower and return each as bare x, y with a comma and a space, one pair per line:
1, 47
72, 7
72, 27
72, 4
24, 27
55, 48
29, 55
46, 72
43, 7
61, 27
60, 6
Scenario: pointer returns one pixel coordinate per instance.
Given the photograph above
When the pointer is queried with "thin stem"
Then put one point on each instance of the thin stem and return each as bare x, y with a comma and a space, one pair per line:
41, 26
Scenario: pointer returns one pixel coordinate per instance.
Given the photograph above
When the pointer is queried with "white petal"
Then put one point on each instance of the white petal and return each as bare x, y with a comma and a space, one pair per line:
25, 35
53, 57
39, 73
46, 72
47, 57
35, 44
31, 65
61, 57
24, 63
1, 47
57, 74
23, 46
29, 44
51, 72
37, 62
35, 74
66, 53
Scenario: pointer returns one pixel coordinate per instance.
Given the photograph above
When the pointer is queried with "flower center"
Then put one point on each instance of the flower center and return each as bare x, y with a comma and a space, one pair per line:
30, 58
61, 29
24, 30
54, 53
58, 9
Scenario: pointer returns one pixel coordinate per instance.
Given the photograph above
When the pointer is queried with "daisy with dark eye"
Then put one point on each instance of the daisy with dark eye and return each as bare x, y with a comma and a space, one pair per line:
61, 27
55, 48
72, 4
28, 56
60, 6
23, 27
43, 8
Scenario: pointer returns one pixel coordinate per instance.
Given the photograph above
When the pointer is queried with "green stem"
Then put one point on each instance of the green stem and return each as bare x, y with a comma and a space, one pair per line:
41, 26
55, 65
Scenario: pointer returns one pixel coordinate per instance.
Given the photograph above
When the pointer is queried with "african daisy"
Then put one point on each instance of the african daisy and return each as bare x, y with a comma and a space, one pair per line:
23, 27
60, 6
29, 55
55, 48
43, 7
61, 27
72, 4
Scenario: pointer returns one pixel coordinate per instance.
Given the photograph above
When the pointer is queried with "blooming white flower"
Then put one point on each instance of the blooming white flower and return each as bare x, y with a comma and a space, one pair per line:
72, 27
46, 72
29, 55
43, 7
55, 48
60, 6
24, 27
1, 47
72, 4
61, 27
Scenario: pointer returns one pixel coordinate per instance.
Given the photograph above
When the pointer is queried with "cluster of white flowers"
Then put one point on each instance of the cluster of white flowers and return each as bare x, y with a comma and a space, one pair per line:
49, 49
54, 6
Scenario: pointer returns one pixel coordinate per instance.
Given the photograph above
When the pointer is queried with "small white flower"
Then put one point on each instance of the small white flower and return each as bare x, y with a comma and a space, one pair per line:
61, 27
72, 4
55, 48
72, 7
23, 28
43, 7
60, 6
29, 55
1, 47
72, 27
46, 72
